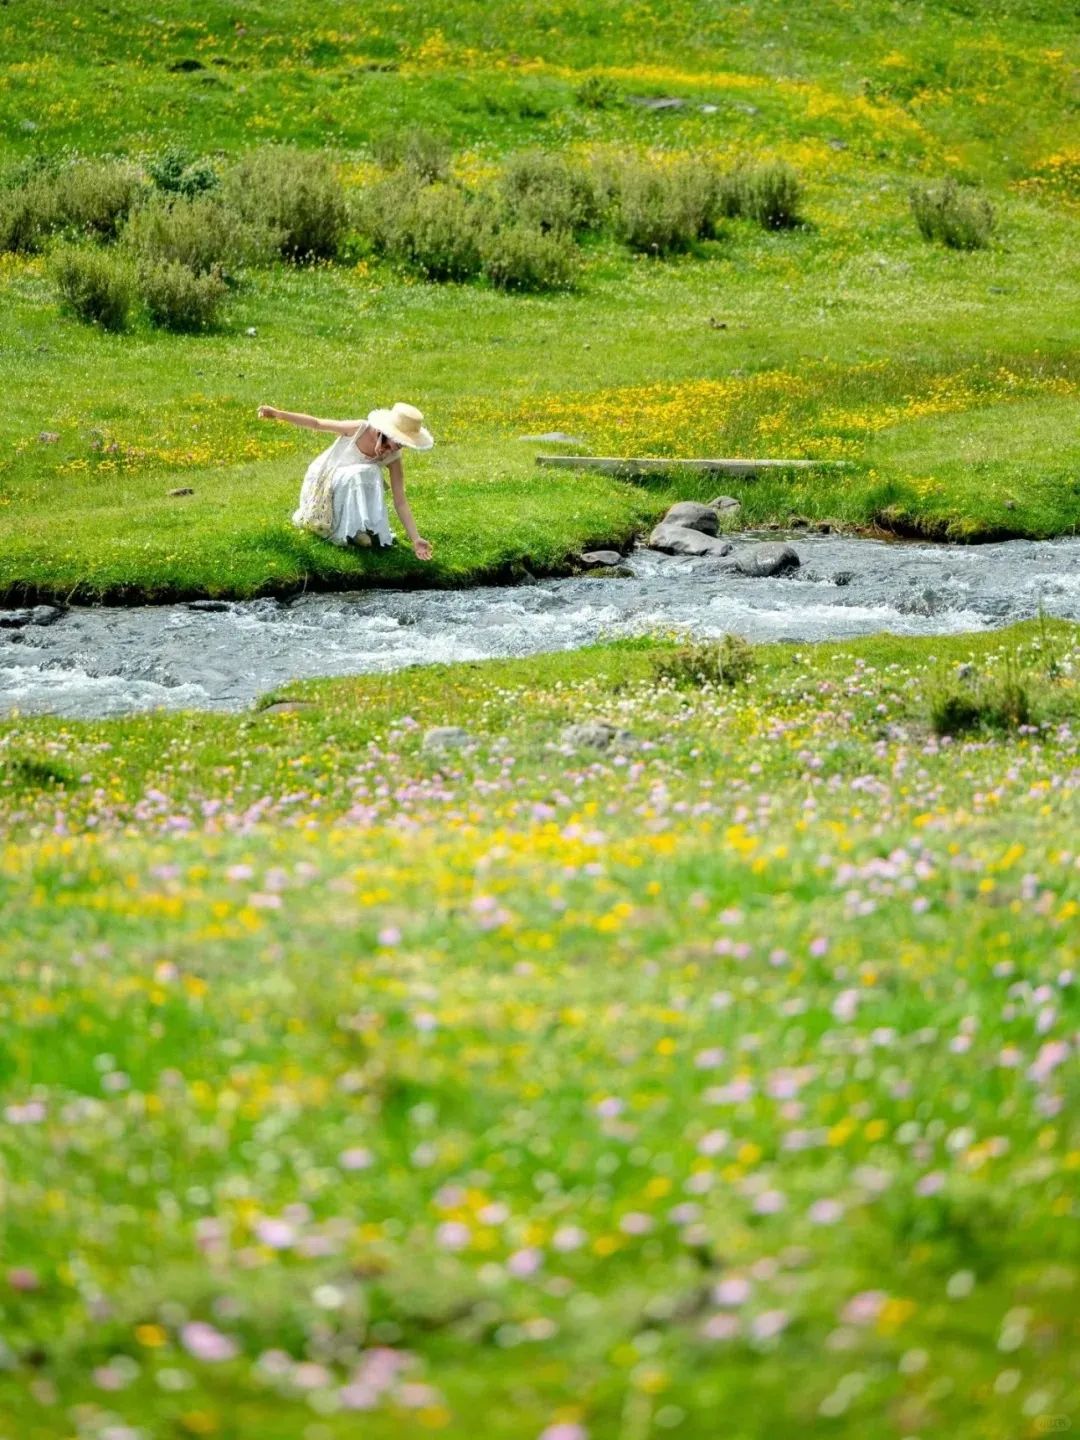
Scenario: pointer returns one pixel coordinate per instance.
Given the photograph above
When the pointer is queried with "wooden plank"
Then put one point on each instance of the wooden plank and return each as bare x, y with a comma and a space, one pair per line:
631, 466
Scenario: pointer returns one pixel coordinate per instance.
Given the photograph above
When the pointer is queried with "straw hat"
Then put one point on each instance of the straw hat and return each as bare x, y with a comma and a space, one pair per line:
404, 423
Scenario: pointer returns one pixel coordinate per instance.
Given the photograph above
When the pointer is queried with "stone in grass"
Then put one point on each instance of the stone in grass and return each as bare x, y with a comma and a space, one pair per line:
49, 437
180, 490
553, 437
596, 735
772, 558
681, 540
445, 737
725, 505
601, 557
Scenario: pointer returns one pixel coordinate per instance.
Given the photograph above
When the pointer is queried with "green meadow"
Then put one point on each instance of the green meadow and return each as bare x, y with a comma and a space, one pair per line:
710, 1072
945, 379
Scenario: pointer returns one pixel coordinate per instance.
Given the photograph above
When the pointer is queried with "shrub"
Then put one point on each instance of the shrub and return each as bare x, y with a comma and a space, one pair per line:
770, 195
200, 233
596, 92
87, 197
707, 662
440, 231
548, 192
95, 197
961, 219
295, 193
523, 257
177, 171
27, 216
178, 299
97, 285
663, 209
422, 153
966, 704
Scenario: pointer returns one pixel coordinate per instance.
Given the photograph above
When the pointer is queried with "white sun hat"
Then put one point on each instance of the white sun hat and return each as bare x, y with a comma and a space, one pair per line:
403, 423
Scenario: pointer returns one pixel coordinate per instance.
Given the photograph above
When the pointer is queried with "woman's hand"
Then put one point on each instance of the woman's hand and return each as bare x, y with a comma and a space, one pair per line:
267, 412
422, 549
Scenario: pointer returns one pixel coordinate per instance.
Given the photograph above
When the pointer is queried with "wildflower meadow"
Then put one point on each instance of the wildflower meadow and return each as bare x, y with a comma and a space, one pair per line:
656, 1039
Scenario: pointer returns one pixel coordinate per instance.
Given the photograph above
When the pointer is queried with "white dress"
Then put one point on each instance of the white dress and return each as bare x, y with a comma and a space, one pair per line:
356, 481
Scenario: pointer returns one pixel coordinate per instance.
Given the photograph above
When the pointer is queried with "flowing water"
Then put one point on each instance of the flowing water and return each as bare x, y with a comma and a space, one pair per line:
112, 661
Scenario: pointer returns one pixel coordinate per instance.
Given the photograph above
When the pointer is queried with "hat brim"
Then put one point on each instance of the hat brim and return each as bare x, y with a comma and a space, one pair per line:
384, 420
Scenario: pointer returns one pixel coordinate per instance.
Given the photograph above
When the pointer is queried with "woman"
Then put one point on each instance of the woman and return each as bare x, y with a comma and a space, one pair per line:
342, 497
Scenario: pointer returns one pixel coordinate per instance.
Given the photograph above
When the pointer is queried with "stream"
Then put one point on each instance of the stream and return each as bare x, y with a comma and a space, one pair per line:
99, 661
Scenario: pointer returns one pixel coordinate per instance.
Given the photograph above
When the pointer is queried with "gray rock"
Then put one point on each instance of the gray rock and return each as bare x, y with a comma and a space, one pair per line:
596, 735
600, 557
45, 614
553, 437
445, 737
210, 607
251, 332
656, 102
49, 437
681, 540
609, 572
725, 505
772, 558
843, 577
708, 109
180, 490
693, 516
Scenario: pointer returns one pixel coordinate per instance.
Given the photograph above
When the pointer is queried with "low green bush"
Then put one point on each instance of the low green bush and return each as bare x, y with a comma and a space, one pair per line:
178, 299
439, 230
201, 233
596, 92
178, 171
97, 285
27, 217
969, 703
524, 257
769, 194
662, 209
425, 154
959, 218
729, 661
548, 192
295, 193
85, 198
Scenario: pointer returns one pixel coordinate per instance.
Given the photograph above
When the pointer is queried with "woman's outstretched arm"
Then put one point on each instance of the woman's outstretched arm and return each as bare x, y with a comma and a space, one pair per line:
422, 549
310, 422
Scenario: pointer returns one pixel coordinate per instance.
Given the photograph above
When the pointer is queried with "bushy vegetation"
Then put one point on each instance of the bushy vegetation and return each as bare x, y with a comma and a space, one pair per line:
548, 191
423, 155
958, 217
728, 661
294, 192
662, 209
200, 232
177, 171
82, 198
972, 700
769, 194
176, 298
97, 286
438, 229
524, 257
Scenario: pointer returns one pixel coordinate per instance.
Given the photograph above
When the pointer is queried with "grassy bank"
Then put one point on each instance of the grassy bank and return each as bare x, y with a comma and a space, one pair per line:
547, 1091
948, 380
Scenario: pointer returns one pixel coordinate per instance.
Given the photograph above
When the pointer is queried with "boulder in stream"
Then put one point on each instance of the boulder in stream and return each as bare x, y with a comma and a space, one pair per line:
675, 539
693, 516
29, 615
601, 557
771, 558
